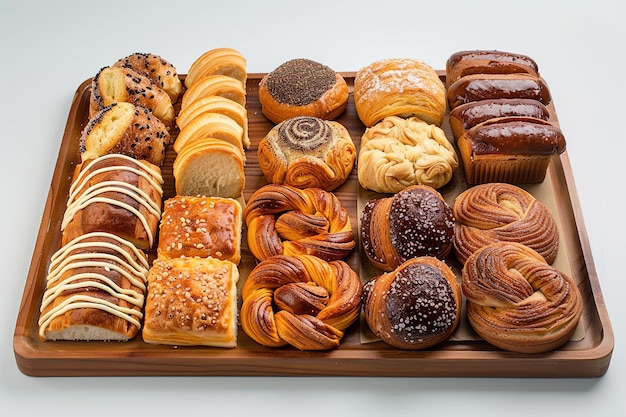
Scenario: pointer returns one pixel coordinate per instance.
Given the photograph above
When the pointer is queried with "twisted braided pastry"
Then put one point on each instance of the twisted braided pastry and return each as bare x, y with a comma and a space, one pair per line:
301, 301
516, 301
284, 220
496, 212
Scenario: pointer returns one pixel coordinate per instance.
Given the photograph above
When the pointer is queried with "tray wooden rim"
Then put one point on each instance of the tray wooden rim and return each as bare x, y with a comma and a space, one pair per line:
469, 359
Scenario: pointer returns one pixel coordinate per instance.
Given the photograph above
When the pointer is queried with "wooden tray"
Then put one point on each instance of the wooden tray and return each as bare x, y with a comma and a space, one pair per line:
587, 355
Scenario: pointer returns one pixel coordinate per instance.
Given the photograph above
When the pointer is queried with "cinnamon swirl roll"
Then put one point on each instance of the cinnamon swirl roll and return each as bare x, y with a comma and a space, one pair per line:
307, 152
517, 302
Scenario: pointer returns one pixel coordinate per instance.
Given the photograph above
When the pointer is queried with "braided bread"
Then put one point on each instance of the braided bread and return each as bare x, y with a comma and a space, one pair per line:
301, 301
286, 220
516, 301
494, 212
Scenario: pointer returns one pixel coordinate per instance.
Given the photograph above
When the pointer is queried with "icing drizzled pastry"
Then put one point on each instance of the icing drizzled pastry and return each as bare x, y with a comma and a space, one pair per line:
416, 306
415, 222
157, 69
307, 152
300, 300
517, 302
494, 212
302, 87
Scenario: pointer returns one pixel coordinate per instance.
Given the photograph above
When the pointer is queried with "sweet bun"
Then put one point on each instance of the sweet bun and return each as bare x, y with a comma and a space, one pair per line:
302, 87
517, 302
307, 152
414, 222
496, 212
399, 87
158, 70
416, 306
396, 153
464, 63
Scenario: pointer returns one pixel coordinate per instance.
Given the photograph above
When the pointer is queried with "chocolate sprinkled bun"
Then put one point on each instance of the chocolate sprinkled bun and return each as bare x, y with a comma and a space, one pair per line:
416, 306
302, 87
415, 222
306, 152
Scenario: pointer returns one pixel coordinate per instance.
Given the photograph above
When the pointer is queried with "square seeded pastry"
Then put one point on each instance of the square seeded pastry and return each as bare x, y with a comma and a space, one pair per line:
201, 226
192, 301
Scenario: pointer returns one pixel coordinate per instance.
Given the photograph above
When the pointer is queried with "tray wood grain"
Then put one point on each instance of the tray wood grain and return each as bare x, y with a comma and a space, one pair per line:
586, 356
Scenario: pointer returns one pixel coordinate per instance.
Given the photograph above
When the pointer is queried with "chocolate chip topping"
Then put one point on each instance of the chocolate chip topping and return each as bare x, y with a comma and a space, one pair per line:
300, 81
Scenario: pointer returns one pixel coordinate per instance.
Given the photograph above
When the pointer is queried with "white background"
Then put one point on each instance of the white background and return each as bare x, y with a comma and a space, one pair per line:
48, 48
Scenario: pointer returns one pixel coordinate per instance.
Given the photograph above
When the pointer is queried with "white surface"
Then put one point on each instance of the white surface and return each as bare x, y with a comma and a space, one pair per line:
49, 48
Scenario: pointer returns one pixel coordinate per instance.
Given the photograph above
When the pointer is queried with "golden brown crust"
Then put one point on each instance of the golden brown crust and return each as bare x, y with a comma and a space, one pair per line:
300, 300
301, 87
495, 212
192, 301
200, 226
333, 240
307, 152
218, 61
399, 87
416, 306
517, 302
157, 69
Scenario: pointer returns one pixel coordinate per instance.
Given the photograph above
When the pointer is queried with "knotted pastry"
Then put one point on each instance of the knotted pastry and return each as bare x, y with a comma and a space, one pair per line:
286, 220
158, 70
118, 84
415, 222
464, 63
114, 194
95, 290
192, 301
399, 87
218, 61
300, 300
517, 302
397, 153
301, 87
416, 306
123, 128
307, 152
495, 212
200, 226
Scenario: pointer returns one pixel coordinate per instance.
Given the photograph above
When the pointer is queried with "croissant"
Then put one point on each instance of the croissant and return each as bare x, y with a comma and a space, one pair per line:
286, 220
300, 300
158, 70
516, 301
494, 212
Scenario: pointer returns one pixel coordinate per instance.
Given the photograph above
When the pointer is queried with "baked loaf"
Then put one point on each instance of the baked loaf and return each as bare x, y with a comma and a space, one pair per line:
210, 125
157, 69
399, 87
200, 226
414, 222
118, 84
95, 290
464, 63
124, 128
215, 85
509, 149
192, 301
517, 302
114, 194
500, 212
307, 152
396, 153
416, 306
302, 87
284, 220
300, 301
468, 115
218, 61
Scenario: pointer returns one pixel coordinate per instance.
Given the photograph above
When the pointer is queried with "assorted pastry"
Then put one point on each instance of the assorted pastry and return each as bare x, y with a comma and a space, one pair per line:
133, 262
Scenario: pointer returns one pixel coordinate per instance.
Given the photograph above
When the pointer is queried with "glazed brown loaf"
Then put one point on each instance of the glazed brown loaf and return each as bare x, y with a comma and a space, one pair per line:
464, 63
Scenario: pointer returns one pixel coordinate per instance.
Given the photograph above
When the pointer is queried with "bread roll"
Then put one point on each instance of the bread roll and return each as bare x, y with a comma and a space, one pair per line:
399, 87
496, 212
218, 61
158, 70
517, 302
464, 63
307, 152
302, 87
123, 128
416, 306
301, 301
415, 222
203, 313
396, 153
95, 289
